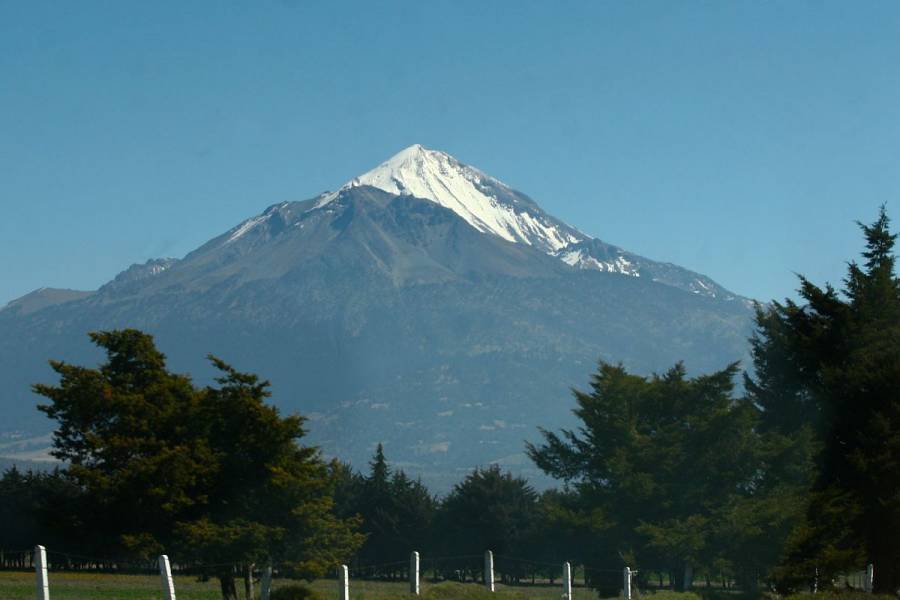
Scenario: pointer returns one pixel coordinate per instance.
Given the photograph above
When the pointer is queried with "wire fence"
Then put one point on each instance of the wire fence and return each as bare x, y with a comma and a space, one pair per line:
530, 578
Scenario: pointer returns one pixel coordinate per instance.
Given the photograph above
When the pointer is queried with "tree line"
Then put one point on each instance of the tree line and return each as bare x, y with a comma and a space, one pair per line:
792, 476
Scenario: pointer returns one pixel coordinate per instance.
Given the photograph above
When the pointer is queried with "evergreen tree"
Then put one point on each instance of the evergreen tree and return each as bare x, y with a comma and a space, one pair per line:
270, 501
556, 535
379, 472
216, 469
489, 510
396, 516
37, 508
379, 517
657, 463
129, 433
790, 421
837, 358
348, 485
415, 507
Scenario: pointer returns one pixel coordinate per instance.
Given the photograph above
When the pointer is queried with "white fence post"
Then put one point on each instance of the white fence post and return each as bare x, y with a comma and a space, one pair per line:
414, 573
248, 582
489, 570
265, 586
567, 581
626, 583
165, 574
343, 583
42, 584
870, 578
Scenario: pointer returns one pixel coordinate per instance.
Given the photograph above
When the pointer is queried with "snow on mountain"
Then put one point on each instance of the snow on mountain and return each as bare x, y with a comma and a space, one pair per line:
137, 273
489, 206
486, 203
582, 259
243, 228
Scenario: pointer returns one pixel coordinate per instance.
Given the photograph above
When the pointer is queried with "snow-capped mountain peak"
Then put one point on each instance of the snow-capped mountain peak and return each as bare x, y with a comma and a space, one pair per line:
486, 203
494, 208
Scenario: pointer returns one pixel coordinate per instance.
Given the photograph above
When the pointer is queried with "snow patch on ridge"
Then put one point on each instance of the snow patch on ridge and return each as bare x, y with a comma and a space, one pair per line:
158, 268
582, 260
242, 229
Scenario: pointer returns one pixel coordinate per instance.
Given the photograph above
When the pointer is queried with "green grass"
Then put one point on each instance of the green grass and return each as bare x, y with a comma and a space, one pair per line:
368, 590
670, 595
839, 594
94, 586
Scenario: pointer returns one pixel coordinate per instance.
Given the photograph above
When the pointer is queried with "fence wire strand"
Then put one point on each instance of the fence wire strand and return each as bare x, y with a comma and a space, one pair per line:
509, 571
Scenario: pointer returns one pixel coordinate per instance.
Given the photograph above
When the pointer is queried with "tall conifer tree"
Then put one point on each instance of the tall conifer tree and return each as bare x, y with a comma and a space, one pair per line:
835, 360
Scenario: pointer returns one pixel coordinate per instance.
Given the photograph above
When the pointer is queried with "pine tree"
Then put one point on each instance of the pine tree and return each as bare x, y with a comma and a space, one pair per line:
378, 511
839, 356
380, 472
396, 515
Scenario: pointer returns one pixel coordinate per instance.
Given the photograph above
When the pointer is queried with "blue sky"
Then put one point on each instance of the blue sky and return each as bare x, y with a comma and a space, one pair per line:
739, 139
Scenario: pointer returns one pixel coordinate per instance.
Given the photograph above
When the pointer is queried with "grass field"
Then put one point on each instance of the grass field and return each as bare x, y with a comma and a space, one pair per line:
93, 586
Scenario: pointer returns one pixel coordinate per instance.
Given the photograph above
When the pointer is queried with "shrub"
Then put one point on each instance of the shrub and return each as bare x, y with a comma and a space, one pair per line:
450, 590
294, 591
670, 595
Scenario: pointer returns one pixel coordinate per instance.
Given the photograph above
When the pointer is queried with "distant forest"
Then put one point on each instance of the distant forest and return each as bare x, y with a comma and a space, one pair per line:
26, 465
794, 478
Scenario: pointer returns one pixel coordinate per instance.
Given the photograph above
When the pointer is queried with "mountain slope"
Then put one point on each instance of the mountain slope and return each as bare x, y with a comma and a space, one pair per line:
389, 317
42, 298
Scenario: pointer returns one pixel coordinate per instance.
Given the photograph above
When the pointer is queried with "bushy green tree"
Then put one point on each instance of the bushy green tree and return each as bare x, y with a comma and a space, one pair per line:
347, 488
215, 473
557, 534
657, 463
270, 501
416, 508
129, 433
489, 510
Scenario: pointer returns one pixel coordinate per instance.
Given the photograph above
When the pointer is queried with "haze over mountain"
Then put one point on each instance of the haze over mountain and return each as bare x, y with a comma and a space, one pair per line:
424, 304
